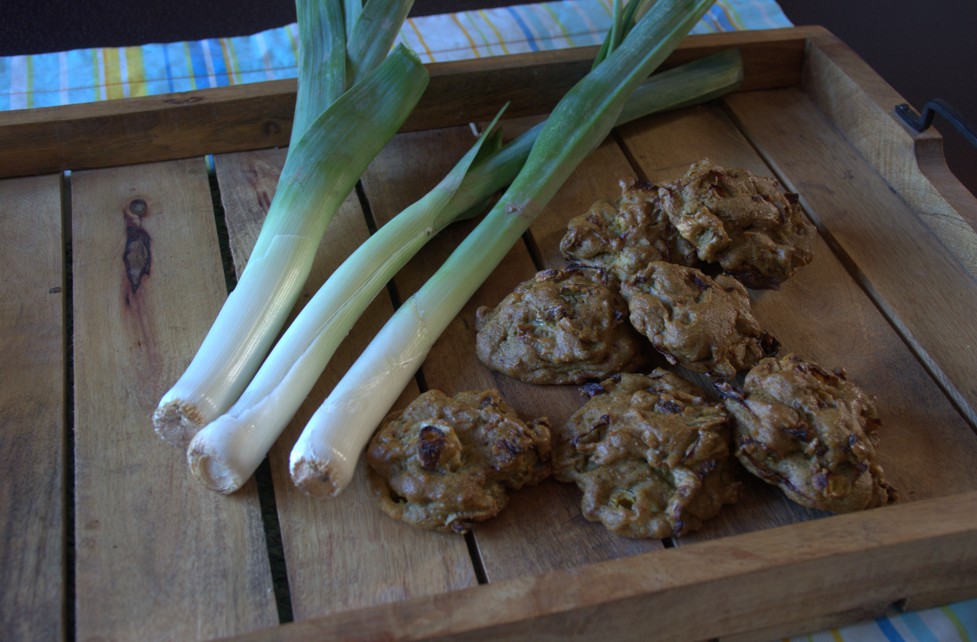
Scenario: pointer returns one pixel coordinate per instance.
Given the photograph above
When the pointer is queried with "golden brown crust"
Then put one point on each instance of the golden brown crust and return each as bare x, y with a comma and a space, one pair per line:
747, 224
444, 463
561, 326
810, 432
650, 454
700, 323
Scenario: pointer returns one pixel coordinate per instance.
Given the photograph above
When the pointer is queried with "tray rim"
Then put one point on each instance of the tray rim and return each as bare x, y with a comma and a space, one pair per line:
258, 115
862, 546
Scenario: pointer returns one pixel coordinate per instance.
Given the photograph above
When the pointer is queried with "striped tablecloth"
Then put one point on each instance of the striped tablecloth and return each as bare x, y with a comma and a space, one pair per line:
88, 75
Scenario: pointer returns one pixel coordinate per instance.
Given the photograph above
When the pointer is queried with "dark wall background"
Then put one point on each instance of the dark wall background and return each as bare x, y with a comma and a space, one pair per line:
924, 50
36, 26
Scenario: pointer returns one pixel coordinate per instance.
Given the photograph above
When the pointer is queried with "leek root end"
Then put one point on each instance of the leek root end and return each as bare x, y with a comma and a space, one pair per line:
211, 470
315, 477
176, 422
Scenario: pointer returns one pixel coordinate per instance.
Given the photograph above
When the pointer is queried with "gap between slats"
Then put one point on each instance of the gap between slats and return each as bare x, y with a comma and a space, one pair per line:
396, 301
289, 604
69, 417
262, 476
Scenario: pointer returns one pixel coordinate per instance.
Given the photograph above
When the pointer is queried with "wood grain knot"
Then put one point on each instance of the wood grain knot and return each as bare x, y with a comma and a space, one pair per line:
137, 207
138, 255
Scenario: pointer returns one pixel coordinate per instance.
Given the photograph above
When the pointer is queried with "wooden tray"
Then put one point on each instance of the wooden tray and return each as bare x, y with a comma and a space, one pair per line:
111, 273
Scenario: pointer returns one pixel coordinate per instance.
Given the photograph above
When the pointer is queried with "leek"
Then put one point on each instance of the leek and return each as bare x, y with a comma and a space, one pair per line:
321, 61
226, 452
324, 458
347, 107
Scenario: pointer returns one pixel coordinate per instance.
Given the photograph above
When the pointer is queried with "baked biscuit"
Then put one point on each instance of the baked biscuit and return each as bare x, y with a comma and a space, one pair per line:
624, 237
700, 323
747, 224
810, 432
561, 326
650, 454
445, 463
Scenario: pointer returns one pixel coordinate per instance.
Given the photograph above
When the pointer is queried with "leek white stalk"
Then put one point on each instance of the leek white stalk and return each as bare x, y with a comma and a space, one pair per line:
331, 147
226, 452
325, 455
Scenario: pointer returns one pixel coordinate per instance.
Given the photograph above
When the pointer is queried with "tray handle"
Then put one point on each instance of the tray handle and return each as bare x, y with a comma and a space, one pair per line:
921, 122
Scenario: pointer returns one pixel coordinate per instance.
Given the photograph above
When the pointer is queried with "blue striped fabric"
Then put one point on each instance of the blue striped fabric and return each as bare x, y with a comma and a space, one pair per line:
99, 74
888, 630
951, 623
530, 39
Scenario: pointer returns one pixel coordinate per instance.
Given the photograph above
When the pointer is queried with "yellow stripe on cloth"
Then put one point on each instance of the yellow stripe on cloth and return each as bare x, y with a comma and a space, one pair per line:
420, 37
136, 71
471, 43
112, 74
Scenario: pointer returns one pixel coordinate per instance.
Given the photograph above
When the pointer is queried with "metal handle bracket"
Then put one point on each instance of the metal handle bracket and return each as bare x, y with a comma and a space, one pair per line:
921, 122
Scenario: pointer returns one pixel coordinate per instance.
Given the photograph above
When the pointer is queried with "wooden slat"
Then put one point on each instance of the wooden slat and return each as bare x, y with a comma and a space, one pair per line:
821, 313
152, 128
326, 540
158, 556
895, 256
259, 115
470, 90
788, 580
544, 529
32, 410
521, 540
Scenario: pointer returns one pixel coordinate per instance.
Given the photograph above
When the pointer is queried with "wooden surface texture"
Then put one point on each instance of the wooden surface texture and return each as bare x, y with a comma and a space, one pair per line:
153, 551
33, 434
113, 272
776, 582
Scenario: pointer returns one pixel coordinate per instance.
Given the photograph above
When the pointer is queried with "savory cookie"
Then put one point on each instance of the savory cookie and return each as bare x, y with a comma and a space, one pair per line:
747, 224
700, 323
650, 454
624, 237
444, 463
561, 326
810, 432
